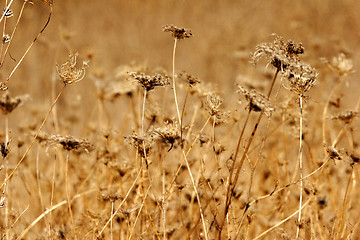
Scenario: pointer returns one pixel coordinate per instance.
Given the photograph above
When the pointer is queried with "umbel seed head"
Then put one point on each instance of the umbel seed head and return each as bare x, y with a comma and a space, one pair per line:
177, 32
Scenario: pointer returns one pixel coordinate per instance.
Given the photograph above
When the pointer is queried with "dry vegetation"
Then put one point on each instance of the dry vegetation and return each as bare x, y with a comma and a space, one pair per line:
116, 124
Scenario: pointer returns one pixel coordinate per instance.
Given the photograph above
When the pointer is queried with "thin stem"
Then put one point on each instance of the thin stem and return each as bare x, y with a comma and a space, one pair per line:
232, 182
33, 141
300, 162
6, 9
68, 192
174, 86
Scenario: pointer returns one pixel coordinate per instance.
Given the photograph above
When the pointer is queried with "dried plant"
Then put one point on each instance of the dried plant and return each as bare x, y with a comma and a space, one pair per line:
190, 79
150, 82
299, 78
340, 64
177, 32
278, 53
169, 134
257, 101
346, 117
143, 145
69, 72
8, 104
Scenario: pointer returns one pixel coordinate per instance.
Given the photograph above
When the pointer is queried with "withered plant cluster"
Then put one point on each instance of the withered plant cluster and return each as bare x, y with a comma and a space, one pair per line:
163, 154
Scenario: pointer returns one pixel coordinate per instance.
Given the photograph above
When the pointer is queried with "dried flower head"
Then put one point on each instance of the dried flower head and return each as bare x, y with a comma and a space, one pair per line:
69, 72
69, 143
299, 77
278, 53
257, 101
150, 82
346, 117
169, 134
354, 156
8, 13
6, 38
333, 153
143, 145
213, 103
340, 64
177, 32
4, 149
191, 80
8, 104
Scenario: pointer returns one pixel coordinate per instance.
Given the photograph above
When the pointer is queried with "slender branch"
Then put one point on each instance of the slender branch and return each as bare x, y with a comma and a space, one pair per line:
33, 141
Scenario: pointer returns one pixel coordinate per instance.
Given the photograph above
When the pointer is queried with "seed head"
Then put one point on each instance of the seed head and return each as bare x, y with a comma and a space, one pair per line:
150, 82
169, 134
191, 80
69, 72
346, 117
278, 53
8, 104
177, 32
140, 143
299, 77
8, 13
333, 153
69, 143
340, 64
257, 101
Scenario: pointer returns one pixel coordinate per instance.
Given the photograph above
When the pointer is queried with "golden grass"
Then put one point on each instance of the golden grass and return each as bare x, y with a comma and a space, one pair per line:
145, 134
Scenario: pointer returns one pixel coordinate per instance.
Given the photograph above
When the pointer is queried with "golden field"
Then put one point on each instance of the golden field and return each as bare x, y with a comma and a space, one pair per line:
102, 139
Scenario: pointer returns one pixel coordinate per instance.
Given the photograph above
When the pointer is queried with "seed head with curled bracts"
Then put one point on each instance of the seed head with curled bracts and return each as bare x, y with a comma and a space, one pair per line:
150, 82
69, 72
278, 53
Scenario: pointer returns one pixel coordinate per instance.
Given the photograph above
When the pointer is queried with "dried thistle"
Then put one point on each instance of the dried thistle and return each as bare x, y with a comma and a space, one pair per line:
150, 82
69, 72
191, 80
278, 53
169, 134
177, 32
143, 145
69, 143
257, 101
340, 64
346, 117
299, 77
8, 104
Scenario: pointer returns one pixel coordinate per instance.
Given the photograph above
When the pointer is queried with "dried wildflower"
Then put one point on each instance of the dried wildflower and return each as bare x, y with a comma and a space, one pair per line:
150, 82
110, 195
8, 13
169, 134
354, 157
340, 64
279, 54
257, 101
69, 143
176, 32
213, 103
191, 80
143, 145
69, 72
299, 77
333, 153
48, 2
4, 149
346, 117
6, 38
8, 104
